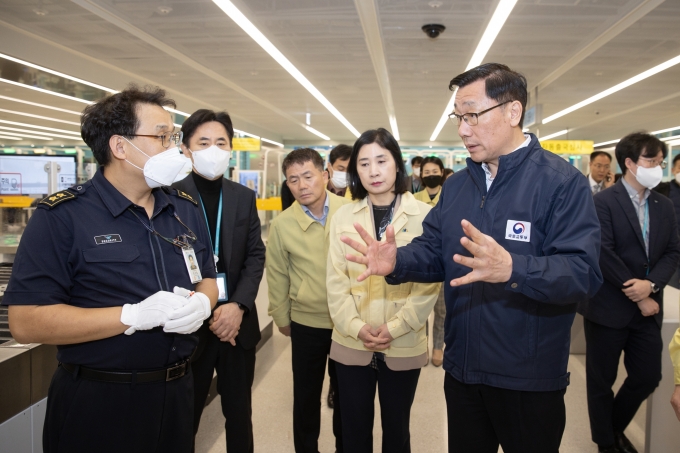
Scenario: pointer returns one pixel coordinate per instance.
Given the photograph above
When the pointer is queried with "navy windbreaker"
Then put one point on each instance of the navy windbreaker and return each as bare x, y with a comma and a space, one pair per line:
512, 335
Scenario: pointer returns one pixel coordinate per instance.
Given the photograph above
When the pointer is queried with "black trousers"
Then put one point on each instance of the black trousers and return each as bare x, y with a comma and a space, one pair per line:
396, 390
310, 347
642, 344
235, 368
481, 417
90, 416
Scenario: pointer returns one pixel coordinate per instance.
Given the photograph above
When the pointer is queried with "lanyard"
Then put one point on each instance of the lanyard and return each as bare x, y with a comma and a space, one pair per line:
217, 227
176, 241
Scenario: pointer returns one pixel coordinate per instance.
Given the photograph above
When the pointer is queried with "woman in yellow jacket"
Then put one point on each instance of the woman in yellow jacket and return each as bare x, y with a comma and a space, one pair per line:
379, 329
432, 176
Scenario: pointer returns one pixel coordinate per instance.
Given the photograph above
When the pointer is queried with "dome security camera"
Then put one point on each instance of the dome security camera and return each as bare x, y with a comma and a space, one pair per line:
433, 30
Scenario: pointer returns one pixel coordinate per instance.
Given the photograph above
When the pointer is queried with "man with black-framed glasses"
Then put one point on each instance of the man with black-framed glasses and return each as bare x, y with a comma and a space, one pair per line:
104, 271
640, 253
515, 238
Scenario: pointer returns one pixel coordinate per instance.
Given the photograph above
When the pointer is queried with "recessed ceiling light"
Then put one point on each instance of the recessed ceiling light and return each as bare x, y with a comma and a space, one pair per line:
41, 11
435, 4
164, 9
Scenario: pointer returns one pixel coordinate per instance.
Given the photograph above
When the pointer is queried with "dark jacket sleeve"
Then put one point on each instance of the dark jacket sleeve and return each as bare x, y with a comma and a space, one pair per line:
614, 270
421, 260
568, 270
253, 266
663, 270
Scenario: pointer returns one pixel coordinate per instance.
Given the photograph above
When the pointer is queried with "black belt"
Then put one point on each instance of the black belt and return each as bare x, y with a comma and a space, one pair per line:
127, 377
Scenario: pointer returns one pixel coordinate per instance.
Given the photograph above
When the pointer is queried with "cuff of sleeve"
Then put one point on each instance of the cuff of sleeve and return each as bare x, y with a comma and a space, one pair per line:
393, 277
282, 320
397, 328
677, 375
519, 273
354, 327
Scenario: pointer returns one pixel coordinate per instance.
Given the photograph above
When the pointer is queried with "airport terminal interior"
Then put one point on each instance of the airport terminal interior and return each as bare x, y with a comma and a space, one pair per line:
318, 73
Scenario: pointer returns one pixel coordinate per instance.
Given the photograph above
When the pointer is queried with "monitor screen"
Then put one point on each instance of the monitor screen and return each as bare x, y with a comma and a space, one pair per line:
26, 175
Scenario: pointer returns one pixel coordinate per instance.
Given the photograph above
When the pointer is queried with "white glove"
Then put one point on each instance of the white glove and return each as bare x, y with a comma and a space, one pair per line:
152, 312
190, 317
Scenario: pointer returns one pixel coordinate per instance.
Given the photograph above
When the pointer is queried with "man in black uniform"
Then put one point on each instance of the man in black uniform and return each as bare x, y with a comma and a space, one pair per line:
229, 338
102, 271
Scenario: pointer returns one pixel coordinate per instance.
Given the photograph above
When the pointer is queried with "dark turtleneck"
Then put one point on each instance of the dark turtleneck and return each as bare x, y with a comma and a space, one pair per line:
210, 196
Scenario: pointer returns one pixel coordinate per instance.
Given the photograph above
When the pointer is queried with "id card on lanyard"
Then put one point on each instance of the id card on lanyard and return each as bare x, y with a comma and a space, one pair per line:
221, 277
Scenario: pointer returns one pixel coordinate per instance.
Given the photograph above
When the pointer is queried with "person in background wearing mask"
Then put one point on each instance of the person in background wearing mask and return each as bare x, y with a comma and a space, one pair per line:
228, 339
337, 169
601, 176
432, 176
415, 185
87, 258
296, 277
640, 252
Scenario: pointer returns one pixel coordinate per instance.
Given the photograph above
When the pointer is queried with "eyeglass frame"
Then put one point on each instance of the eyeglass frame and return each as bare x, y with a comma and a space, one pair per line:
461, 118
175, 137
663, 164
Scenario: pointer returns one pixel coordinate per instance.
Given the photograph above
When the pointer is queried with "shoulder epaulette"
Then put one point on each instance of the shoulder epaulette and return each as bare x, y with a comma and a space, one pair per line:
56, 198
186, 196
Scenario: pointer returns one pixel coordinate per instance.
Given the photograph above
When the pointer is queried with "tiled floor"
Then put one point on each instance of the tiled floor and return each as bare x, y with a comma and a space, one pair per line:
273, 403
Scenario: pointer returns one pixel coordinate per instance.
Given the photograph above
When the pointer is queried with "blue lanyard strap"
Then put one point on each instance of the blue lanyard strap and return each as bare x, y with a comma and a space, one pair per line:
218, 227
644, 231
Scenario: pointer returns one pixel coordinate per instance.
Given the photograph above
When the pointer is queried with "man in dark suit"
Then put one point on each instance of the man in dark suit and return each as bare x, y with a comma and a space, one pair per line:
227, 340
639, 254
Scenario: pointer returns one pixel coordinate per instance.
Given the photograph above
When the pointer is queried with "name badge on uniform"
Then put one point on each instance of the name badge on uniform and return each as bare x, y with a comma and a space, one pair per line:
518, 230
222, 295
192, 264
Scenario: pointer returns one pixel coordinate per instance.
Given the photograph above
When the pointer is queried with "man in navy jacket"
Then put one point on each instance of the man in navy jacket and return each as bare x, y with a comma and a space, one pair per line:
524, 221
640, 253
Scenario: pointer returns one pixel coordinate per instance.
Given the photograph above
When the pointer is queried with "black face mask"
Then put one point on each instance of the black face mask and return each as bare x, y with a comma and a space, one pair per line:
432, 181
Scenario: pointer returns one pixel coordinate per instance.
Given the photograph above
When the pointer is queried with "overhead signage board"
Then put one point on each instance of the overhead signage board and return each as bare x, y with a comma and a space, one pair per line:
568, 146
246, 144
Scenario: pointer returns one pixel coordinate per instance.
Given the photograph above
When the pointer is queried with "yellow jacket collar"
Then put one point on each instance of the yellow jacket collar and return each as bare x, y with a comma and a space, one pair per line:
305, 221
407, 205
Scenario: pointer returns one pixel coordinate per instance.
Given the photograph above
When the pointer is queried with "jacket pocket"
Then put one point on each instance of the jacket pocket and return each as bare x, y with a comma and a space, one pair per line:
395, 302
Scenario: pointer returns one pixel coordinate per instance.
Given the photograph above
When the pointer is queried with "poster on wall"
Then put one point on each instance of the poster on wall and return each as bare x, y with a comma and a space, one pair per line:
250, 179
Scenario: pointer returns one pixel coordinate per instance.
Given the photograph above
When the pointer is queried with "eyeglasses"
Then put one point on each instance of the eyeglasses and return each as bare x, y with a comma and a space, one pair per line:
166, 139
471, 119
653, 163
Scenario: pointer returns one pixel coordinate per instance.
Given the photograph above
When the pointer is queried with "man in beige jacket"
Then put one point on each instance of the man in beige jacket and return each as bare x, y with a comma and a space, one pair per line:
296, 274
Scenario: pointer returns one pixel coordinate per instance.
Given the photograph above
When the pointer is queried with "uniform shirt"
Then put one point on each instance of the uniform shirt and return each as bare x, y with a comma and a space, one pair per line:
90, 251
324, 215
595, 186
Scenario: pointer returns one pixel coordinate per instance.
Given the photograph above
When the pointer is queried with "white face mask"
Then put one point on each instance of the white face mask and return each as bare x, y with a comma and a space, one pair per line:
212, 162
416, 172
649, 177
161, 169
677, 178
339, 179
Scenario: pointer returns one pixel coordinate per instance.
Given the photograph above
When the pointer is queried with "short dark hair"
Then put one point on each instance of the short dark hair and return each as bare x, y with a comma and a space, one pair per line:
432, 160
416, 161
300, 156
502, 84
676, 159
202, 116
341, 152
447, 172
595, 154
638, 144
384, 139
117, 115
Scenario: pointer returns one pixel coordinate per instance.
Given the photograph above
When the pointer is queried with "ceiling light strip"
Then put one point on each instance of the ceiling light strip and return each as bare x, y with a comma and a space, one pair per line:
247, 26
60, 74
272, 142
556, 134
42, 90
7, 137
5, 128
317, 133
44, 128
40, 117
72, 112
663, 131
496, 23
625, 84
36, 137
610, 142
